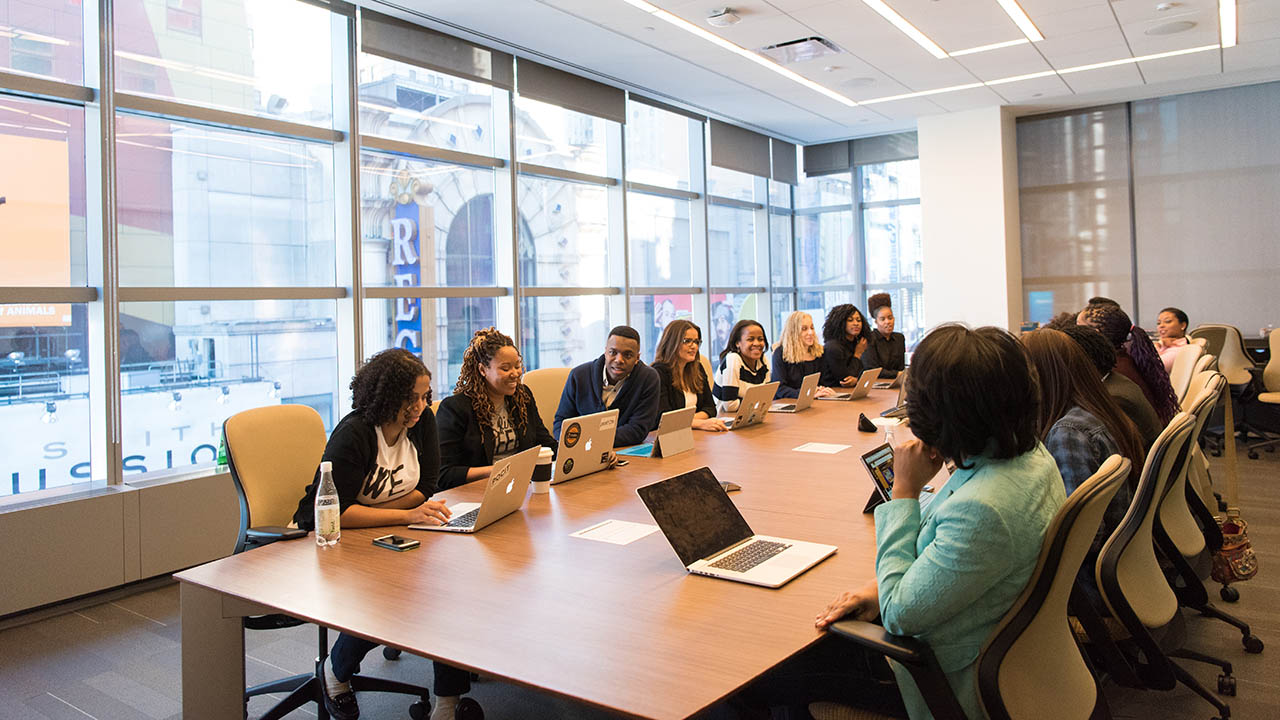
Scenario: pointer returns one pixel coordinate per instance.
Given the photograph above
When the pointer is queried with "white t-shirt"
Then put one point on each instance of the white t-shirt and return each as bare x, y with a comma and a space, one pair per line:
394, 475
690, 399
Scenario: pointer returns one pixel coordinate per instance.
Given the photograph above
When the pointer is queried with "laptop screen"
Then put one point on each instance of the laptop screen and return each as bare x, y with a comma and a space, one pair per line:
695, 514
879, 464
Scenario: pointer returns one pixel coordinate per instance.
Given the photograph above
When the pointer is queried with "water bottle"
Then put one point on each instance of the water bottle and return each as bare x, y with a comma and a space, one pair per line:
888, 435
328, 511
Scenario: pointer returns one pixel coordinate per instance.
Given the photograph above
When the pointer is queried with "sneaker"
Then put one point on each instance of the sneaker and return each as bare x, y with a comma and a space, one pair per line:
342, 705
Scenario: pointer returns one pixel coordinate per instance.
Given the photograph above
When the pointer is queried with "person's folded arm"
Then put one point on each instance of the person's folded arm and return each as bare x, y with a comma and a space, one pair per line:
645, 414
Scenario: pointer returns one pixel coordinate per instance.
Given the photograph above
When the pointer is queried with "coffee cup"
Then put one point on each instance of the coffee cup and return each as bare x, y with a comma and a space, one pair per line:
542, 471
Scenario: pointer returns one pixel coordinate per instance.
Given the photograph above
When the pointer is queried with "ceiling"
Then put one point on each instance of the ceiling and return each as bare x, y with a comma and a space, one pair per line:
626, 46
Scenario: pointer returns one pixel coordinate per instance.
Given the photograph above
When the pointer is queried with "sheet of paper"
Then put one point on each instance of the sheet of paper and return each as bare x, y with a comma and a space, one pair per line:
886, 422
821, 448
618, 532
638, 451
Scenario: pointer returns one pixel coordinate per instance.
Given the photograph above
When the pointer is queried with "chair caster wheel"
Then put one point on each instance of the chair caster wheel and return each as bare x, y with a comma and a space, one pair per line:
468, 709
391, 653
1226, 685
420, 710
1229, 594
1252, 644
1216, 452
1253, 455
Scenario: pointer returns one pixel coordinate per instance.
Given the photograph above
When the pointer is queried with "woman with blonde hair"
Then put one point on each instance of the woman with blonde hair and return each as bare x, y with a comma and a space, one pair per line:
799, 353
682, 381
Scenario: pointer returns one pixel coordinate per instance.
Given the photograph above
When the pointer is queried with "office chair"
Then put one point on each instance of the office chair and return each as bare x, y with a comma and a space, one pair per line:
1184, 364
1133, 585
273, 453
1031, 661
547, 385
1227, 344
1271, 383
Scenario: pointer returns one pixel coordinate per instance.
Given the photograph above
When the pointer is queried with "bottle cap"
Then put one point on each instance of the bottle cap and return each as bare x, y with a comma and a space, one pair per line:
326, 466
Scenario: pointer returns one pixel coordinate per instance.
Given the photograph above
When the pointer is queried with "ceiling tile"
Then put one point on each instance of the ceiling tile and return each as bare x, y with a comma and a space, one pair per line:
1005, 62
1251, 11
1063, 22
1264, 30
966, 99
1087, 47
958, 25
1110, 78
1254, 55
1182, 66
1035, 89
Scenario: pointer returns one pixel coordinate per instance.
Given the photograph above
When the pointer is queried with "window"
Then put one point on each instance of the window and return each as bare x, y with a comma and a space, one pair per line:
559, 138
564, 232
44, 38
658, 146
727, 309
563, 331
730, 184
826, 249
184, 16
650, 315
437, 329
731, 240
403, 102
660, 237
908, 311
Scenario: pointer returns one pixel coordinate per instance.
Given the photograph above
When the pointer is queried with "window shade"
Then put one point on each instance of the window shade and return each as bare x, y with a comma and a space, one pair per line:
784, 161
557, 87
405, 42
885, 148
827, 158
668, 108
735, 148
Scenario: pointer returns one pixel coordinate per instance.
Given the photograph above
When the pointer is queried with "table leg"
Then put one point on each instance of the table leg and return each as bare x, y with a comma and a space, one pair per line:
212, 656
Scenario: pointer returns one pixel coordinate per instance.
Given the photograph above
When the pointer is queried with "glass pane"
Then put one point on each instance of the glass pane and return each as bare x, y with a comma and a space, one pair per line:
43, 38
400, 197
894, 252
437, 329
783, 304
908, 312
731, 238
42, 183
779, 194
651, 313
658, 230
564, 233
201, 207
730, 184
825, 248
44, 396
725, 311
781, 249
890, 181
404, 102
229, 54
825, 191
189, 365
559, 138
818, 304
563, 331
658, 146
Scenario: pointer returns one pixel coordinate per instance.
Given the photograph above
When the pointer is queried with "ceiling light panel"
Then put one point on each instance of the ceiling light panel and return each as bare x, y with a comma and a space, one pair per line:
958, 25
1021, 19
1016, 60
883, 10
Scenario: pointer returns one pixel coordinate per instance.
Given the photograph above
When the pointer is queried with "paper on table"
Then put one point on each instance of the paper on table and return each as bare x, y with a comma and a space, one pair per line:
823, 448
886, 422
618, 532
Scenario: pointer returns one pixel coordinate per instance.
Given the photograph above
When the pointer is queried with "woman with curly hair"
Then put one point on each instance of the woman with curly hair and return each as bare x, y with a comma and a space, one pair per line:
386, 461
845, 335
798, 354
1136, 357
682, 381
490, 415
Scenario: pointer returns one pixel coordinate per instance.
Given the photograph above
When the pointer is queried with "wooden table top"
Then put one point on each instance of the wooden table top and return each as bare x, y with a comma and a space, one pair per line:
618, 626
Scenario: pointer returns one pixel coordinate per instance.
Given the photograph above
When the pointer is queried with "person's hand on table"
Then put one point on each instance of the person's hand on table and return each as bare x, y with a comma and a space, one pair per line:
711, 424
613, 460
824, 391
914, 465
849, 381
860, 604
431, 512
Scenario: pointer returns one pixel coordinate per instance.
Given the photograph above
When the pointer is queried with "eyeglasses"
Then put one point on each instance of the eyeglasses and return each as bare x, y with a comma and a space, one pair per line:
691, 341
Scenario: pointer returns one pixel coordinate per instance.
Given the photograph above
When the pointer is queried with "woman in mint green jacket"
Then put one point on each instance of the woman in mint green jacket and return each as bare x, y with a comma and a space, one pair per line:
948, 573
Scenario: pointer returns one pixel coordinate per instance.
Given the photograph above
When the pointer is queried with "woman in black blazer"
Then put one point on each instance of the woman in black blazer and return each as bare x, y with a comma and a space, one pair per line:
845, 335
682, 381
490, 415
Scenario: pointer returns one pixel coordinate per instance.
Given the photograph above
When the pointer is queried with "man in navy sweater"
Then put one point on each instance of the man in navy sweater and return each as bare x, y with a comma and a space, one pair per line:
617, 380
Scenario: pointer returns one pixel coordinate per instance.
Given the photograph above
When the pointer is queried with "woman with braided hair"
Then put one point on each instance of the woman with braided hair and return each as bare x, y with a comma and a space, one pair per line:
490, 415
1136, 357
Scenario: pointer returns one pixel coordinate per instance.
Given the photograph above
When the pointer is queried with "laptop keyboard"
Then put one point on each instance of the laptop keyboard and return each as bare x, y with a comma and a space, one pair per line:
465, 520
750, 556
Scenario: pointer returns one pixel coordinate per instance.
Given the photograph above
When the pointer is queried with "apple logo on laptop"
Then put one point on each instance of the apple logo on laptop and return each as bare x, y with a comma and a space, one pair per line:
588, 448
510, 485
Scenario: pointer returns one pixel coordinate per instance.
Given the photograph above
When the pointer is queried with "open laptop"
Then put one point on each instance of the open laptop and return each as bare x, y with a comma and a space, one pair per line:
754, 406
585, 444
711, 537
887, 384
879, 465
900, 410
503, 494
808, 387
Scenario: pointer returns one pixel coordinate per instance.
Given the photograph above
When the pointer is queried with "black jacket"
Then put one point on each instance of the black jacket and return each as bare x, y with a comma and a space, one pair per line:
464, 445
839, 362
887, 353
790, 376
353, 450
669, 398
636, 403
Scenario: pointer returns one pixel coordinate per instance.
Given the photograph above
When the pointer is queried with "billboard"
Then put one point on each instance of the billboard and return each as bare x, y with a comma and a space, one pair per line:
35, 226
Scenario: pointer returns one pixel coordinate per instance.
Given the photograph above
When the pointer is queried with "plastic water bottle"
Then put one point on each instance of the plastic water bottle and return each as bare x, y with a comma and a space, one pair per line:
328, 511
888, 435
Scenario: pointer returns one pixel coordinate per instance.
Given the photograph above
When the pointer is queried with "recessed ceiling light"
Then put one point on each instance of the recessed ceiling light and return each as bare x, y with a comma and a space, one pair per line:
1227, 22
859, 82
723, 17
907, 28
1020, 18
1166, 6
1169, 28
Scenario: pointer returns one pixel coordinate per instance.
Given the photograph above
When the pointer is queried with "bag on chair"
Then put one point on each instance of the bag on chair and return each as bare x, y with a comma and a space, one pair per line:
1235, 560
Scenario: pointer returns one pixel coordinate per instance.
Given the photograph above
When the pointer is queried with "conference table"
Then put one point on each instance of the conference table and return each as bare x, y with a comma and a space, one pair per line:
621, 627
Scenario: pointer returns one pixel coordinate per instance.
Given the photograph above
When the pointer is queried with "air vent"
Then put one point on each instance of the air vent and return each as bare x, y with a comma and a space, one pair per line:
797, 51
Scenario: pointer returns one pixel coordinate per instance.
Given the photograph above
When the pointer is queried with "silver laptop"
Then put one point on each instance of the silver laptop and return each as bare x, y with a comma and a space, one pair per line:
859, 389
887, 384
802, 401
754, 406
585, 444
711, 537
503, 494
900, 410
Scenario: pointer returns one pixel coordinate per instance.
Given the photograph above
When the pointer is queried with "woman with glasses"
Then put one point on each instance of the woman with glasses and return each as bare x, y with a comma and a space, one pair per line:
798, 354
682, 381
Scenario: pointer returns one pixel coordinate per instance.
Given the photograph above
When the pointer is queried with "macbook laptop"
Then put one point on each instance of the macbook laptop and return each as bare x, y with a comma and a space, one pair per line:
585, 444
503, 494
711, 537
754, 406
899, 411
808, 387
895, 382
879, 465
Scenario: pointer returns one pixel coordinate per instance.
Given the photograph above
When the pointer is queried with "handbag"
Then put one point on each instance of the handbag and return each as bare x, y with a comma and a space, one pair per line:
1235, 561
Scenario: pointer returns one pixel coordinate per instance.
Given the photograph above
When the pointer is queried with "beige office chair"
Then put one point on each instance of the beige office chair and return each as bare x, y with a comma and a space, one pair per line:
273, 453
1184, 365
547, 385
1031, 661
1206, 362
706, 366
1270, 381
1133, 584
1227, 344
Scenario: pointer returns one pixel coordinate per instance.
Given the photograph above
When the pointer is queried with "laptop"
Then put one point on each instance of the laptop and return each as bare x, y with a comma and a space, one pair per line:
711, 537
754, 406
900, 410
802, 402
887, 384
879, 465
585, 444
503, 494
